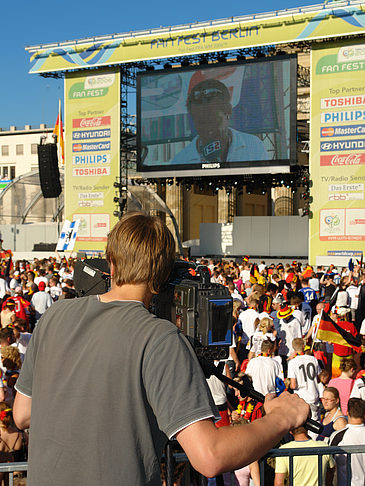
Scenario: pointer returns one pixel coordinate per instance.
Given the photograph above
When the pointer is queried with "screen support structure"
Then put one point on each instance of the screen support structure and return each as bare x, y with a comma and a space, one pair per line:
127, 136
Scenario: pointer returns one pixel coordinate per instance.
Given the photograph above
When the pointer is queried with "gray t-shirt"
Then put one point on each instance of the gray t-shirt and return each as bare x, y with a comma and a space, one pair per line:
109, 382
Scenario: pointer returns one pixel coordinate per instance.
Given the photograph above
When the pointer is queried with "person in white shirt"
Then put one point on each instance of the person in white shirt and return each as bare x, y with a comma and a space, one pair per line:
41, 301
249, 319
262, 266
352, 434
358, 390
289, 329
248, 287
295, 302
353, 291
245, 273
303, 371
264, 369
54, 288
4, 288
41, 278
314, 283
264, 331
13, 281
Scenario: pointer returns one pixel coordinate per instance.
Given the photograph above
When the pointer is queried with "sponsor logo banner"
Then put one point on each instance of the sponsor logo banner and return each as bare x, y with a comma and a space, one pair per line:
91, 204
337, 145
104, 80
91, 87
343, 131
343, 116
90, 171
342, 101
342, 159
91, 195
346, 196
94, 122
90, 134
351, 53
346, 187
90, 147
91, 159
355, 254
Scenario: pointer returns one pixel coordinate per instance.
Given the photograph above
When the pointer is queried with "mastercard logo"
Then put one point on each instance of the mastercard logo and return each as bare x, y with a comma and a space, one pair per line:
77, 147
327, 132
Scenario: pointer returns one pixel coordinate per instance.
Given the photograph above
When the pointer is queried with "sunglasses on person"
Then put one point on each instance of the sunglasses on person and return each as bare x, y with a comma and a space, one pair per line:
205, 95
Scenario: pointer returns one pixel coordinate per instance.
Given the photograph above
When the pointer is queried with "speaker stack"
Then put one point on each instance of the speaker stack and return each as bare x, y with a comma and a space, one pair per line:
49, 173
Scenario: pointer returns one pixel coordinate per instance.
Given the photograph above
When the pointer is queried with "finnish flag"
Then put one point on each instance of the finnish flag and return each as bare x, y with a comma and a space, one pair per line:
66, 241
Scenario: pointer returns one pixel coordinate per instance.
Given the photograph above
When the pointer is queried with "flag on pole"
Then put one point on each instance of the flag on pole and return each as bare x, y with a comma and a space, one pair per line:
58, 131
329, 330
66, 241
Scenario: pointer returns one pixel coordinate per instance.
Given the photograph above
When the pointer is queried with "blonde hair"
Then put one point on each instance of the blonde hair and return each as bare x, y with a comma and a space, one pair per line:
253, 299
142, 250
266, 325
237, 306
12, 354
298, 344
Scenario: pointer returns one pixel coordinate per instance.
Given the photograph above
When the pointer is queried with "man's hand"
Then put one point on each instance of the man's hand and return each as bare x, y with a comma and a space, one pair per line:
295, 409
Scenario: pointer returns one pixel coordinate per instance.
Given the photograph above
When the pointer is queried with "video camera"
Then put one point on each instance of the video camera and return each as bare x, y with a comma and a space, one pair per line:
201, 309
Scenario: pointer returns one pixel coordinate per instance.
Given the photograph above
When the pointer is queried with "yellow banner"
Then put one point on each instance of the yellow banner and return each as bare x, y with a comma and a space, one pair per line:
337, 150
258, 30
92, 107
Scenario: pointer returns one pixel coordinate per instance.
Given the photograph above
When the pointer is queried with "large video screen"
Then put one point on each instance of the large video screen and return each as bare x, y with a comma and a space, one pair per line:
233, 117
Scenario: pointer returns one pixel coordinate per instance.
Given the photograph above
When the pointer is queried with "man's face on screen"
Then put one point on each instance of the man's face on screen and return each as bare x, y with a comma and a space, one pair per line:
210, 118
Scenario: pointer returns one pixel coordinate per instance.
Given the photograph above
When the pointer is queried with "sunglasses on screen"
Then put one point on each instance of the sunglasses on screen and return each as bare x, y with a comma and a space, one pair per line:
205, 95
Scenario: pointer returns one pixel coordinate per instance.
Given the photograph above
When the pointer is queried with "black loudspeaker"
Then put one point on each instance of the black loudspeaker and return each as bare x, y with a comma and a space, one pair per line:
49, 173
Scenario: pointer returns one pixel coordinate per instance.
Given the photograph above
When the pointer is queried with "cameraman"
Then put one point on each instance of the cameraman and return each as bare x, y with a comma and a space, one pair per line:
105, 383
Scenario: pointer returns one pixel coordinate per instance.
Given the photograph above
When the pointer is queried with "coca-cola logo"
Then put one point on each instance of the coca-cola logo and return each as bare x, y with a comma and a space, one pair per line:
342, 159
351, 159
96, 121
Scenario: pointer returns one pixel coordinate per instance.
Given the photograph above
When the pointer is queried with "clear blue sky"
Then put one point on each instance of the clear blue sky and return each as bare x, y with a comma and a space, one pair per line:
29, 98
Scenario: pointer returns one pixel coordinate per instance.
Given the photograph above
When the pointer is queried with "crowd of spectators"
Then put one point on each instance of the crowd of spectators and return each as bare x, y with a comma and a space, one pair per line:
27, 290
276, 313
276, 316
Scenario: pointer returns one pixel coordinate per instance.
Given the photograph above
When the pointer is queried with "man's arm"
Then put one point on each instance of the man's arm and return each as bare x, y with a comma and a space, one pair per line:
212, 451
293, 383
21, 411
279, 479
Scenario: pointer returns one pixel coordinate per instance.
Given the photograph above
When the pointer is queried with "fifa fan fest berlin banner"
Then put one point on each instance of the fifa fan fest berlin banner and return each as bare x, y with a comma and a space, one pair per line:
291, 25
337, 150
92, 107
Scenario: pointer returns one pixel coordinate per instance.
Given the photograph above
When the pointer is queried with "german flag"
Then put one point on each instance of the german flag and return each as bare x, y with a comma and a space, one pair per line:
254, 274
329, 330
307, 272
